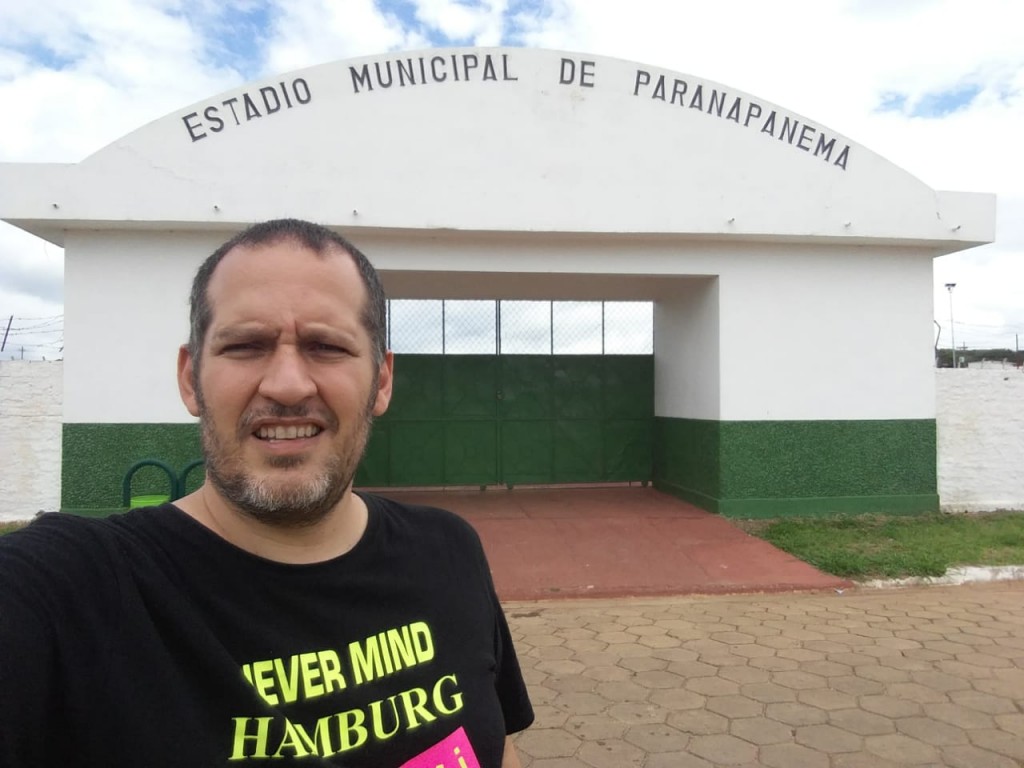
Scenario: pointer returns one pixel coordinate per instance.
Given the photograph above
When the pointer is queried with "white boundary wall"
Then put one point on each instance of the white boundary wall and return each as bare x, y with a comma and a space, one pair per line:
980, 425
981, 438
31, 396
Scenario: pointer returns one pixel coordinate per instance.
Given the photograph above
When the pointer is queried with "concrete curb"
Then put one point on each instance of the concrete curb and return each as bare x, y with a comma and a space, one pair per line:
970, 574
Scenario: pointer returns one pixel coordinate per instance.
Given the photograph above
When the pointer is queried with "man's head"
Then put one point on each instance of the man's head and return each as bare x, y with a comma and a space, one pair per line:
286, 367
313, 237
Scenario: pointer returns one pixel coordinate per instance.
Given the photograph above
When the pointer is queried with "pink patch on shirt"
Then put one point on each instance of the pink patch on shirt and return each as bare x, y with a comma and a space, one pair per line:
453, 752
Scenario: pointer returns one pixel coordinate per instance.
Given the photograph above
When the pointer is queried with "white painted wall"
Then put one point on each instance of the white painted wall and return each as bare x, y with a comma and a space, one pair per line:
981, 438
125, 315
837, 315
687, 357
30, 437
827, 333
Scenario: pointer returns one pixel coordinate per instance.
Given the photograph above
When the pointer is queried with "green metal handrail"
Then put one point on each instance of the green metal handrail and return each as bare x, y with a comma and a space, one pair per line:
126, 484
183, 476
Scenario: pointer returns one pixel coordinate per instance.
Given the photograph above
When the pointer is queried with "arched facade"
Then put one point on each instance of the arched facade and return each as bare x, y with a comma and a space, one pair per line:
791, 268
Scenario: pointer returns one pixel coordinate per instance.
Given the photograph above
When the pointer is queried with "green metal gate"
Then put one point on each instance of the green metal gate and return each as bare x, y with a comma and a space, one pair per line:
514, 419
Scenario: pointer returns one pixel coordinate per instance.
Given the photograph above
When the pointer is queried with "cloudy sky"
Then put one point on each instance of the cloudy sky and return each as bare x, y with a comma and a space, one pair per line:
935, 86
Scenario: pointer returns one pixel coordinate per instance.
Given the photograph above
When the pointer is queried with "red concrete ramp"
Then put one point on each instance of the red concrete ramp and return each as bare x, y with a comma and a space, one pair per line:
614, 542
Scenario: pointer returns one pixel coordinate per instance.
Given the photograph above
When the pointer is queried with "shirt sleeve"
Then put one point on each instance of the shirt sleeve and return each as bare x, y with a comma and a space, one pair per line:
30, 703
512, 693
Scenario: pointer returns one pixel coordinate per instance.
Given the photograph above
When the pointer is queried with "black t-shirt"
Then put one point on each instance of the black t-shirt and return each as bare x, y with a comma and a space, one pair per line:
144, 639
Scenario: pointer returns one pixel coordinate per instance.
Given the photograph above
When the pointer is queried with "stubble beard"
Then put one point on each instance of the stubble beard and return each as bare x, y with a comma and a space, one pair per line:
272, 500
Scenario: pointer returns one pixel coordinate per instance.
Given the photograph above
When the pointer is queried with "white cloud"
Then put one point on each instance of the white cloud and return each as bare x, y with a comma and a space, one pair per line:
75, 76
31, 286
31, 267
319, 31
118, 66
482, 24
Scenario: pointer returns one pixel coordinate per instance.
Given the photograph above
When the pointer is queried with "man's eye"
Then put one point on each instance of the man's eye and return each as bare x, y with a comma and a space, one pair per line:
324, 348
240, 347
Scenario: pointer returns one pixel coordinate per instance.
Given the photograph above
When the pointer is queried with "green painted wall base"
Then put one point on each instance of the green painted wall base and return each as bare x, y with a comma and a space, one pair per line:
738, 469
752, 509
748, 469
454, 420
95, 458
698, 499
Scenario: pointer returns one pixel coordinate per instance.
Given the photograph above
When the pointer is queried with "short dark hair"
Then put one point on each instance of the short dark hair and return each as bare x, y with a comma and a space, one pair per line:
316, 238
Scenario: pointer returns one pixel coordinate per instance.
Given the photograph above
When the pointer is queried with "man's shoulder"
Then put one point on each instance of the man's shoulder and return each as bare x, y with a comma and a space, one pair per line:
54, 566
55, 533
70, 547
62, 529
423, 521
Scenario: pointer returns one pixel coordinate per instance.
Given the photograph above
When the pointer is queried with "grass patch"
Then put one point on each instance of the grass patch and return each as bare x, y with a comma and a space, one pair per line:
881, 547
8, 527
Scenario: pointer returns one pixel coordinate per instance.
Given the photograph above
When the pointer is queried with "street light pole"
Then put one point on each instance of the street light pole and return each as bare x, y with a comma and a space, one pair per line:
952, 333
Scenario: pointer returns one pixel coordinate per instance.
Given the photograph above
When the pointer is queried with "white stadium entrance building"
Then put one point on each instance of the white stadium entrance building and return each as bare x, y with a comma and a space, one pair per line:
780, 275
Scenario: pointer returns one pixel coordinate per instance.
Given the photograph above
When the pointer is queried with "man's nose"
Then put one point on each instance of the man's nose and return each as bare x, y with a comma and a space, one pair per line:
287, 378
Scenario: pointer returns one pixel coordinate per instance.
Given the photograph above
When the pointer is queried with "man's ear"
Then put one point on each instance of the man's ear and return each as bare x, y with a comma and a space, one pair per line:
384, 381
186, 387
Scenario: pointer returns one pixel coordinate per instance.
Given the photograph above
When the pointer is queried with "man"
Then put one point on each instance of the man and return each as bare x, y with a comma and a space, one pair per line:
274, 616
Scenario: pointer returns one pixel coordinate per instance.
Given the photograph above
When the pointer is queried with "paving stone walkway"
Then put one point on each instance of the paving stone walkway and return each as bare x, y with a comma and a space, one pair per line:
929, 676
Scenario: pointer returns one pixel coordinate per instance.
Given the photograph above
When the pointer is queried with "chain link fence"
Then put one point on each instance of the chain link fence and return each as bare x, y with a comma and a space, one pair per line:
513, 327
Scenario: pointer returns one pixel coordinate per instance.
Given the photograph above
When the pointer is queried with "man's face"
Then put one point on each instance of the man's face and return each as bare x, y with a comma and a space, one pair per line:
286, 387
